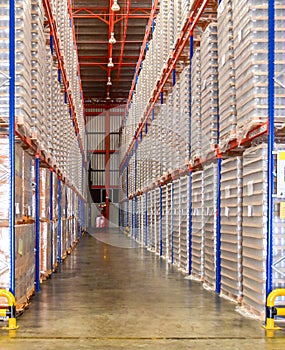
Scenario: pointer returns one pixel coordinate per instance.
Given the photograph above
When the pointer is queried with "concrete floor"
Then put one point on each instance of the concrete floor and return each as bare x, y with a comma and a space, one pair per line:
111, 294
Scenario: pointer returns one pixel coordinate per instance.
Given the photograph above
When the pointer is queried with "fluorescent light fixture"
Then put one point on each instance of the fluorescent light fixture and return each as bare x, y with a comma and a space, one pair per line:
109, 83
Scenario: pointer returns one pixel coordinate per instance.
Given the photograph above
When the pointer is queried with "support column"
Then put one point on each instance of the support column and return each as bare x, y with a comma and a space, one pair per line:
37, 215
12, 144
271, 111
107, 165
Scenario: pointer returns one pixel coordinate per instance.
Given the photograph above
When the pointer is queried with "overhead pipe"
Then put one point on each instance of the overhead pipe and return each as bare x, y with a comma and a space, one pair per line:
271, 137
9, 312
37, 224
12, 144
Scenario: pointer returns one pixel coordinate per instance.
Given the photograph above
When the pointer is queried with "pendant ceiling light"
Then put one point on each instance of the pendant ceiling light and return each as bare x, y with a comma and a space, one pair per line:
115, 7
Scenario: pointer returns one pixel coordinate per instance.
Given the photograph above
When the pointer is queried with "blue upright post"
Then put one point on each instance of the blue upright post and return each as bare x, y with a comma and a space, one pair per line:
218, 233
51, 218
173, 77
271, 112
37, 214
12, 144
190, 221
59, 256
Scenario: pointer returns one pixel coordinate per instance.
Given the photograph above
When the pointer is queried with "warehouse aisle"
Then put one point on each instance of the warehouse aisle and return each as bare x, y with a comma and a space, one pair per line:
111, 294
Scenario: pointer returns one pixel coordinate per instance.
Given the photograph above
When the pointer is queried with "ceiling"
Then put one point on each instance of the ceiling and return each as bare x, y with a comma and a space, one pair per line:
94, 22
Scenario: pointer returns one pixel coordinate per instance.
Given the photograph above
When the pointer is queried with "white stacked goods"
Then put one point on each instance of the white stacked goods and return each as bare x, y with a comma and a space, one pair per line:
185, 11
231, 228
197, 253
209, 94
4, 62
139, 211
157, 220
250, 23
177, 138
184, 224
164, 223
176, 222
226, 67
152, 221
254, 229
210, 224
171, 132
164, 27
23, 50
171, 25
177, 20
196, 145
38, 111
184, 124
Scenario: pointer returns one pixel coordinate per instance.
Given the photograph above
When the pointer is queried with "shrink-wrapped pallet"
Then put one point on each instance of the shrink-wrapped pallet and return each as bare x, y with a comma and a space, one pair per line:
184, 125
25, 262
210, 224
209, 90
198, 239
254, 243
196, 144
46, 265
27, 183
231, 228
176, 222
226, 70
250, 23
184, 223
157, 221
254, 228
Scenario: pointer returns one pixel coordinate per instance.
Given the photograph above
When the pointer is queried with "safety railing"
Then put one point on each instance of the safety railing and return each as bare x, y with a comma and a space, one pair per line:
272, 310
10, 311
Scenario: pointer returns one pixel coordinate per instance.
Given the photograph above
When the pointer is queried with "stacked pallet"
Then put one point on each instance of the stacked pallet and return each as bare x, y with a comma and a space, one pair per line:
250, 22
38, 112
209, 92
231, 228
184, 124
210, 224
196, 145
45, 226
254, 228
197, 253
176, 223
226, 67
184, 224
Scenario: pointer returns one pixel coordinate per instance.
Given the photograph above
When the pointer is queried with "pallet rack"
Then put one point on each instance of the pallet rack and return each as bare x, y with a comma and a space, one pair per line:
228, 145
60, 220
